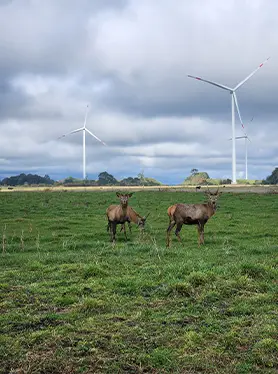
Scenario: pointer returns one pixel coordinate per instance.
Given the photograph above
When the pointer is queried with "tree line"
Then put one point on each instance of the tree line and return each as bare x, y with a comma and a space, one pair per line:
106, 179
27, 179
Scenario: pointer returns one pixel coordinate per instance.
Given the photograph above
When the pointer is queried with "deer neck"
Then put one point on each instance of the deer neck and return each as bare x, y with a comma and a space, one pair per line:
211, 209
124, 209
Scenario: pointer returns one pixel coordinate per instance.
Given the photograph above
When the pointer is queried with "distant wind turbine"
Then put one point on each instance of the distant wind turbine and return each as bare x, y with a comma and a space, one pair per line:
234, 102
84, 129
246, 149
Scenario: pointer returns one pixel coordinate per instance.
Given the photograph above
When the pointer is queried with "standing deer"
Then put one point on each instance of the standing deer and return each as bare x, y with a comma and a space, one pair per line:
193, 214
172, 208
117, 214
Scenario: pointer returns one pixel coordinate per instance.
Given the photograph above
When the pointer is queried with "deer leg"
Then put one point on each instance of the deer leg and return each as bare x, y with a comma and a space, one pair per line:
177, 232
129, 226
113, 229
125, 231
201, 230
203, 234
111, 232
170, 228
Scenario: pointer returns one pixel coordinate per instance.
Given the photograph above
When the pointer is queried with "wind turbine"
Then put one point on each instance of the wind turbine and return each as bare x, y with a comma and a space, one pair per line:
234, 102
84, 129
246, 149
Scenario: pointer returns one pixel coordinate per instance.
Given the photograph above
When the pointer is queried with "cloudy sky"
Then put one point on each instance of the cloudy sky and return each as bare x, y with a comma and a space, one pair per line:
129, 60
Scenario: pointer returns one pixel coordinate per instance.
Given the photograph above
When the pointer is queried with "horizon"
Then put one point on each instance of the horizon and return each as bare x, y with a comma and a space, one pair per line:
59, 177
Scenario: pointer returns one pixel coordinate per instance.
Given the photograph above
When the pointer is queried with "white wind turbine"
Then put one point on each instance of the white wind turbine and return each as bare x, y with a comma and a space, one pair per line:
234, 102
84, 129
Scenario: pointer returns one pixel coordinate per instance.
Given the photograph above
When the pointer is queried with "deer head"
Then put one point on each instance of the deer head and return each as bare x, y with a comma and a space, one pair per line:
124, 198
142, 221
212, 197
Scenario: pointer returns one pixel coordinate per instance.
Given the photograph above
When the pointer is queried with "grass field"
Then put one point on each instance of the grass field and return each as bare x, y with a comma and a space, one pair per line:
71, 303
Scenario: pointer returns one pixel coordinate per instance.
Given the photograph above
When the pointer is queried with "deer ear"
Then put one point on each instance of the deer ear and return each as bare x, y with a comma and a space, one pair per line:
118, 194
130, 194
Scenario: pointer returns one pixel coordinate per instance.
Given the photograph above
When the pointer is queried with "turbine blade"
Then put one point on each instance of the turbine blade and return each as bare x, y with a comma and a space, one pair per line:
86, 115
250, 75
213, 83
239, 137
88, 131
237, 107
72, 132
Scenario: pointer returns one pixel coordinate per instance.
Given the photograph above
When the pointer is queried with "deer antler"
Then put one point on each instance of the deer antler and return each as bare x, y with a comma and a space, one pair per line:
208, 191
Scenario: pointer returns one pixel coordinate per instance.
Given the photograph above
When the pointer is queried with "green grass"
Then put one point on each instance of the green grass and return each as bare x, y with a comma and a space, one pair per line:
71, 303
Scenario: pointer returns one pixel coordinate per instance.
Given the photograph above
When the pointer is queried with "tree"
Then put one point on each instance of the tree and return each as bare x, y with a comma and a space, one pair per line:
129, 181
141, 176
197, 177
194, 171
225, 181
273, 178
105, 179
69, 180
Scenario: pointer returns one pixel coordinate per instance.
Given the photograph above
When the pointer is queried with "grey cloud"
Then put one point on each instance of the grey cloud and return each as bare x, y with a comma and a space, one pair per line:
48, 38
11, 100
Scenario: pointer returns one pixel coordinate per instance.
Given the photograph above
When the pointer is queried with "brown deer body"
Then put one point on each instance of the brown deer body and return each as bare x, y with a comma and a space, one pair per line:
193, 214
131, 216
119, 214
134, 217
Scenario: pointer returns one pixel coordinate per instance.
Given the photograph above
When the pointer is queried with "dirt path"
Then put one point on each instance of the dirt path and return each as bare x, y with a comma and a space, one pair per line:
261, 189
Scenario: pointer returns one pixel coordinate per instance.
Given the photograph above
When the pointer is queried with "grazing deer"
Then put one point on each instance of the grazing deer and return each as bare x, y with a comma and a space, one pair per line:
117, 214
193, 214
134, 217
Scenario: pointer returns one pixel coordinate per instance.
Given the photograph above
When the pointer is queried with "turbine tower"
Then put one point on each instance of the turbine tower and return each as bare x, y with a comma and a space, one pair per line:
84, 130
234, 103
246, 167
246, 149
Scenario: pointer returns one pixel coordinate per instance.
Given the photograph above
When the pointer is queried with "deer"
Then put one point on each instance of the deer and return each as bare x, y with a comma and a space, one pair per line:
134, 217
117, 214
193, 214
172, 208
